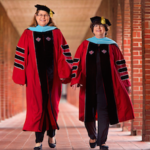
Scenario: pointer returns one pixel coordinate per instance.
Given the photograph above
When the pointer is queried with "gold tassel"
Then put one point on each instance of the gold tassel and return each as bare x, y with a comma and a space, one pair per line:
51, 14
103, 20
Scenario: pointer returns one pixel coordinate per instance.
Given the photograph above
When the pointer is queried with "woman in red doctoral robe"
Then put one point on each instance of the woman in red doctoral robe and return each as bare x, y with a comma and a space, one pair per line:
100, 70
42, 62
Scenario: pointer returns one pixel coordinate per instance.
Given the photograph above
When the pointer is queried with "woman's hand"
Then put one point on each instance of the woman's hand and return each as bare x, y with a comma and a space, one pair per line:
128, 89
74, 86
62, 79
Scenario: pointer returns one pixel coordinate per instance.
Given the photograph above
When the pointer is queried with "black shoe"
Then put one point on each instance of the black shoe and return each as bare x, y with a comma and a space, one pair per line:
38, 148
104, 147
93, 145
51, 145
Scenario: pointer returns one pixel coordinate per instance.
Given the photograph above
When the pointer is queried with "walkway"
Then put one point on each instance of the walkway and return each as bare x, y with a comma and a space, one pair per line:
71, 136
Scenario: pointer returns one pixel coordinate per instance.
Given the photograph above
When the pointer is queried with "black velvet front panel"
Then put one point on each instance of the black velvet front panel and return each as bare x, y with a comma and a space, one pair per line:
41, 51
108, 84
90, 102
45, 63
91, 73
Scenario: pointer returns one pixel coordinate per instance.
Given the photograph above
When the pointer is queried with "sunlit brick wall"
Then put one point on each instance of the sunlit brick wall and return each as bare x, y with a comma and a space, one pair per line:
119, 27
12, 96
146, 68
127, 47
137, 86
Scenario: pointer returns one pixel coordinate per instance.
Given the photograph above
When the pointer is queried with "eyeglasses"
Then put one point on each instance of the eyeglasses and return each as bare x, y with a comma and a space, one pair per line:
98, 25
45, 16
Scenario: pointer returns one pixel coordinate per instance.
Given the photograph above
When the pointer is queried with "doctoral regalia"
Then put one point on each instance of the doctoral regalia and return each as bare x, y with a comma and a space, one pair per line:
115, 79
42, 59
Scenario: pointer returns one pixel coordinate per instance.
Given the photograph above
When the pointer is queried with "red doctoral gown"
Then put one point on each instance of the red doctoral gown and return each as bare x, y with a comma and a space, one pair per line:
114, 77
41, 60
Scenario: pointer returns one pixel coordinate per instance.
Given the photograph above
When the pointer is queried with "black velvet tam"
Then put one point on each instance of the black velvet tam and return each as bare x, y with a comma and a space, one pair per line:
97, 18
42, 7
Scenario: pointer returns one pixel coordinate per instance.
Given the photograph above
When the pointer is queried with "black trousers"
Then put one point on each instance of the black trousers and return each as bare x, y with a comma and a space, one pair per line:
103, 122
40, 135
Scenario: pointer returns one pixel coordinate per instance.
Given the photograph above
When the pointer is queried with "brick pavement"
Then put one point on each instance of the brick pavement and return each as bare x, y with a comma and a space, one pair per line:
71, 136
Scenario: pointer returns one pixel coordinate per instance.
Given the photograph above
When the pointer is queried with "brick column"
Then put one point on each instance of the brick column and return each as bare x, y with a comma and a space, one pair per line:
146, 69
9, 75
119, 27
1, 68
5, 79
137, 87
127, 48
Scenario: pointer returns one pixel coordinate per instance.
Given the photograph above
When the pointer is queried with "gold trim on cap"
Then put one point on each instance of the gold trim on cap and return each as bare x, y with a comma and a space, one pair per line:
103, 21
51, 13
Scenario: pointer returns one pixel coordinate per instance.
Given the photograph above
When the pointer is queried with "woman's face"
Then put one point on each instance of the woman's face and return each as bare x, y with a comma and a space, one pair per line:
99, 30
42, 18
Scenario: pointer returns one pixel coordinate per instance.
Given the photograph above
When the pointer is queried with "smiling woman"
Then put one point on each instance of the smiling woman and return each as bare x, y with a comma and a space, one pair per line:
99, 30
42, 18
43, 62
99, 69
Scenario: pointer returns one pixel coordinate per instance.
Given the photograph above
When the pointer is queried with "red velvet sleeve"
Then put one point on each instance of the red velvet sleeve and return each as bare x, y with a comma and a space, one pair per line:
64, 59
120, 65
77, 67
20, 62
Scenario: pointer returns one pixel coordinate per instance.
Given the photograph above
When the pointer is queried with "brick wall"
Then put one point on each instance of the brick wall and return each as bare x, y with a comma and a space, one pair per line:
127, 47
12, 96
146, 68
137, 88
119, 27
